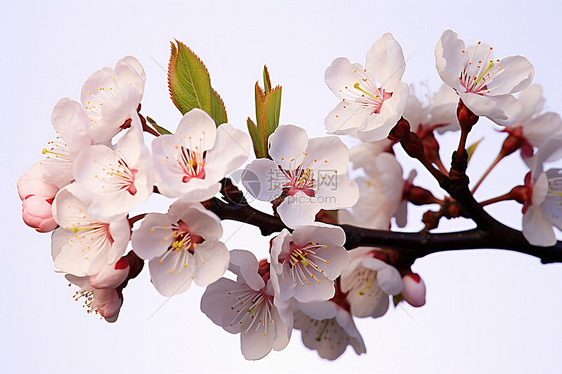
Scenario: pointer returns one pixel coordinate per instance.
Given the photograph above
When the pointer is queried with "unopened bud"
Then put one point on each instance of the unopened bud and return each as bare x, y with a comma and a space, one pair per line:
467, 119
419, 195
414, 147
401, 131
37, 212
414, 289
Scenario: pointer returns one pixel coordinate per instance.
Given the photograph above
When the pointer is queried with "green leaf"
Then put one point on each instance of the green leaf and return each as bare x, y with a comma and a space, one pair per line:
470, 150
260, 107
218, 111
260, 148
160, 129
188, 80
272, 110
396, 299
266, 80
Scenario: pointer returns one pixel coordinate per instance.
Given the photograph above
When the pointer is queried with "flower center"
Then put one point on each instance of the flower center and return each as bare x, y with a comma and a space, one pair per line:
375, 99
479, 69
253, 311
192, 163
184, 244
300, 179
304, 262
121, 176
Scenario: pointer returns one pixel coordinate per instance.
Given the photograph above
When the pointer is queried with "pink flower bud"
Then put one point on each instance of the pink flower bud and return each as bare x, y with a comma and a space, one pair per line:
414, 289
111, 276
31, 184
108, 303
37, 212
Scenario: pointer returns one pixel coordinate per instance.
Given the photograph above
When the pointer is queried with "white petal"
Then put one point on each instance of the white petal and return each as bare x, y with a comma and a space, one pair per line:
537, 229
504, 110
342, 74
154, 236
327, 153
211, 259
385, 59
346, 117
230, 151
449, 58
287, 146
244, 264
516, 74
263, 179
298, 210
171, 274
197, 131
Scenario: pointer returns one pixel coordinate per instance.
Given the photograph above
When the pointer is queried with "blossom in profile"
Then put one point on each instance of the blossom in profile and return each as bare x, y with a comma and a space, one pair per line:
534, 127
413, 291
305, 263
100, 292
110, 95
310, 173
368, 283
485, 84
182, 246
328, 328
190, 163
373, 97
246, 307
542, 209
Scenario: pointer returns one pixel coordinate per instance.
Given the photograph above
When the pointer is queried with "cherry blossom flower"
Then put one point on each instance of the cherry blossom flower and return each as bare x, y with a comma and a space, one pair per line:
483, 83
100, 291
82, 245
542, 208
373, 97
305, 263
116, 179
380, 195
71, 124
328, 328
414, 290
309, 172
182, 245
246, 306
191, 163
368, 283
533, 128
109, 95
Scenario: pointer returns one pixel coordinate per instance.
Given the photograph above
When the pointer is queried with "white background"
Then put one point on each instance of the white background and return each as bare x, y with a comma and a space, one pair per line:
487, 310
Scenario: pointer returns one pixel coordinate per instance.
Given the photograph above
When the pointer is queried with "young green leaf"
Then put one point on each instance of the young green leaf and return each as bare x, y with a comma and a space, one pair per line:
266, 80
260, 148
161, 130
470, 150
272, 110
188, 80
218, 111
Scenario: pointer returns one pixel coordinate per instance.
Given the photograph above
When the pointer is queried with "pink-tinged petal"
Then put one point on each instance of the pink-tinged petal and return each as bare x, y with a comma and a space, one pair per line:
256, 343
219, 303
327, 154
540, 189
298, 210
388, 278
69, 256
449, 58
385, 59
319, 233
244, 264
532, 102
319, 310
504, 110
171, 273
515, 74
537, 229
199, 220
71, 121
318, 289
111, 206
378, 126
230, 151
414, 290
31, 183
542, 128
130, 72
37, 212
197, 131
342, 74
263, 179
111, 276
154, 236
210, 261
198, 190
346, 117
108, 303
283, 326
287, 146
94, 167
548, 152
340, 193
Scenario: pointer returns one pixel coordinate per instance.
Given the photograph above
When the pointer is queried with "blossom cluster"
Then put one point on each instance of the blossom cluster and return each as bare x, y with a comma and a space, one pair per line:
98, 169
